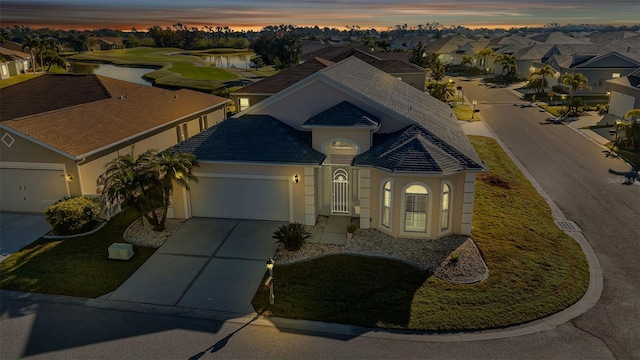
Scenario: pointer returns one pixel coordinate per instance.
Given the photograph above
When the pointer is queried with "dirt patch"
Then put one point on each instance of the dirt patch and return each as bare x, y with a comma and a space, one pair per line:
497, 181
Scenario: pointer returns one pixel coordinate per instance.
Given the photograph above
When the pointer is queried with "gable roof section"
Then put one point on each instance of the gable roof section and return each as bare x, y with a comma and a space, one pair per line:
632, 80
49, 92
13, 55
285, 78
252, 139
535, 52
402, 99
84, 129
343, 114
558, 38
413, 149
610, 60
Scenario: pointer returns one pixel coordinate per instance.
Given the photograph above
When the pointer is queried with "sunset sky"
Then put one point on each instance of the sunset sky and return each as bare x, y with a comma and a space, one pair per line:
253, 14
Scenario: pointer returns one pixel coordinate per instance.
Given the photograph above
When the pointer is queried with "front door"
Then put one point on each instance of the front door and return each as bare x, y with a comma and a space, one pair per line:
340, 191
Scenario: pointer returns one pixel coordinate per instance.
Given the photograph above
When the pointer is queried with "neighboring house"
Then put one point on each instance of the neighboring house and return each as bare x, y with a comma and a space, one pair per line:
57, 132
109, 43
624, 94
260, 90
528, 59
13, 62
558, 38
446, 48
348, 140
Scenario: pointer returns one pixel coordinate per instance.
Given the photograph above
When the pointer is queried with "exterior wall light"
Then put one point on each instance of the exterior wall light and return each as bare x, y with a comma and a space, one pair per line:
296, 178
69, 177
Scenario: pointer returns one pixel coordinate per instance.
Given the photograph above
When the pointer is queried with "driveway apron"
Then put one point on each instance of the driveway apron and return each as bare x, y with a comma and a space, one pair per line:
20, 230
212, 264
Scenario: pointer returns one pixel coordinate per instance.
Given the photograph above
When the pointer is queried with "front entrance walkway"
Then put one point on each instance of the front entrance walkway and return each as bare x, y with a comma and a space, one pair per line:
211, 264
334, 231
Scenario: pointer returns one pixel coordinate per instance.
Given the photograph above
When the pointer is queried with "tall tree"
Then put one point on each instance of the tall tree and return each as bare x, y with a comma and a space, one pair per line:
31, 43
466, 60
417, 55
441, 91
509, 65
538, 79
483, 55
575, 82
145, 182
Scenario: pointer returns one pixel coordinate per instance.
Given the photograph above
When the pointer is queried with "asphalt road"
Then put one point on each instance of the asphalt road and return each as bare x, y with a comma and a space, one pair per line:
575, 173
570, 168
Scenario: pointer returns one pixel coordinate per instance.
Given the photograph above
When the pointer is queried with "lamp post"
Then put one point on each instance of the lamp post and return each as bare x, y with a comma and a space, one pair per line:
270, 264
473, 113
562, 105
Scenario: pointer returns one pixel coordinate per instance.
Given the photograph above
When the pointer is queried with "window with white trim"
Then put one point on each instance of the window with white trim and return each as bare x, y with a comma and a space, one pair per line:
415, 211
446, 205
243, 104
386, 204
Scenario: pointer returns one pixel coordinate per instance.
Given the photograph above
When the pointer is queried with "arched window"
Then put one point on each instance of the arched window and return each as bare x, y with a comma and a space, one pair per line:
415, 211
445, 217
386, 204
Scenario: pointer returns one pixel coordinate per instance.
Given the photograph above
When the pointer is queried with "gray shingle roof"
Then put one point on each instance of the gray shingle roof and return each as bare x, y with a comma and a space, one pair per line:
253, 139
413, 149
343, 114
406, 101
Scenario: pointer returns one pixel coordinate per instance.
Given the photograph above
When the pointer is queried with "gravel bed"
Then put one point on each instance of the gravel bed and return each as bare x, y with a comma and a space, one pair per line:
425, 254
142, 234
468, 269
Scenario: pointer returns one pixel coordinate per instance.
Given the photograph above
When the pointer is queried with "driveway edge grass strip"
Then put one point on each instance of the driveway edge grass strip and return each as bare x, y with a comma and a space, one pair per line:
535, 270
73, 266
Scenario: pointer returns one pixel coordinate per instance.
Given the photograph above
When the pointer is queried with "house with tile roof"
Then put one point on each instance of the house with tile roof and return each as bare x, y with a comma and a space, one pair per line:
348, 140
262, 89
57, 132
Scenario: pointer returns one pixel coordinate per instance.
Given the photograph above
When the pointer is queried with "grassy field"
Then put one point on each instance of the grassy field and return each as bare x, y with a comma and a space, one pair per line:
175, 68
75, 266
17, 79
553, 110
535, 270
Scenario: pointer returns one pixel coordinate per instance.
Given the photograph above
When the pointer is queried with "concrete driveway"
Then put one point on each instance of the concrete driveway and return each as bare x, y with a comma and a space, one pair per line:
212, 264
19, 230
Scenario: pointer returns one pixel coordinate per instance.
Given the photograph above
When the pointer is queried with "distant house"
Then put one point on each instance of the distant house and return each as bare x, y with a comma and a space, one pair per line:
109, 43
387, 62
624, 94
57, 132
13, 62
348, 140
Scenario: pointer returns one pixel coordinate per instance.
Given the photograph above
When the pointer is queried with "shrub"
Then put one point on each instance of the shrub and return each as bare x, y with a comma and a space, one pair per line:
455, 258
71, 215
352, 227
291, 236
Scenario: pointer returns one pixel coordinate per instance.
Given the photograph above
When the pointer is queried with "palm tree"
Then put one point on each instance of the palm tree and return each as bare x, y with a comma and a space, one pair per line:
575, 81
484, 54
174, 167
31, 43
539, 77
441, 91
145, 182
509, 65
466, 60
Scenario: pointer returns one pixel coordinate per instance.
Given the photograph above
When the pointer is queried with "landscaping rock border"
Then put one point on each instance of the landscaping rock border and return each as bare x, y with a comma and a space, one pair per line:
468, 269
141, 234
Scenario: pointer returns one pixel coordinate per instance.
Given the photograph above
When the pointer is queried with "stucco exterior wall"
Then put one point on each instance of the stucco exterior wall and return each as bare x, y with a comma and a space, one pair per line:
298, 106
299, 189
416, 80
321, 137
26, 151
434, 185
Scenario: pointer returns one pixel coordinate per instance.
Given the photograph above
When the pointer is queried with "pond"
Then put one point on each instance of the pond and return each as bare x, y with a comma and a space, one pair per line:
131, 74
240, 61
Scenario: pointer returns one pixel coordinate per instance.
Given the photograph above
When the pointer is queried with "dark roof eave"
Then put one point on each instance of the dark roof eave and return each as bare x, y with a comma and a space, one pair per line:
368, 127
255, 162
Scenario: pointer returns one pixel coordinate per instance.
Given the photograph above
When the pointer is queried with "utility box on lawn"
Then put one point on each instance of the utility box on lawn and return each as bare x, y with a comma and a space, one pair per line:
120, 251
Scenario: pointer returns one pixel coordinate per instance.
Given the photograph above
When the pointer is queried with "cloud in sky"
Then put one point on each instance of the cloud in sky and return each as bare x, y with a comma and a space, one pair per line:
125, 14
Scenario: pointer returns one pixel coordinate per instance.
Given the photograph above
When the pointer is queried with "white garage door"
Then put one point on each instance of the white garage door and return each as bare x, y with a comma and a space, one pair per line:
31, 190
620, 104
239, 198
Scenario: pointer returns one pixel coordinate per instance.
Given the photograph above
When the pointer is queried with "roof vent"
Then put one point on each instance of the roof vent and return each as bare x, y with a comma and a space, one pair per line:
175, 97
629, 48
120, 97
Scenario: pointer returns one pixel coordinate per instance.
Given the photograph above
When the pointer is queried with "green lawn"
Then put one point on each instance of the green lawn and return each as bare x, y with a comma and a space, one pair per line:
175, 68
463, 112
75, 266
553, 110
535, 270
17, 79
